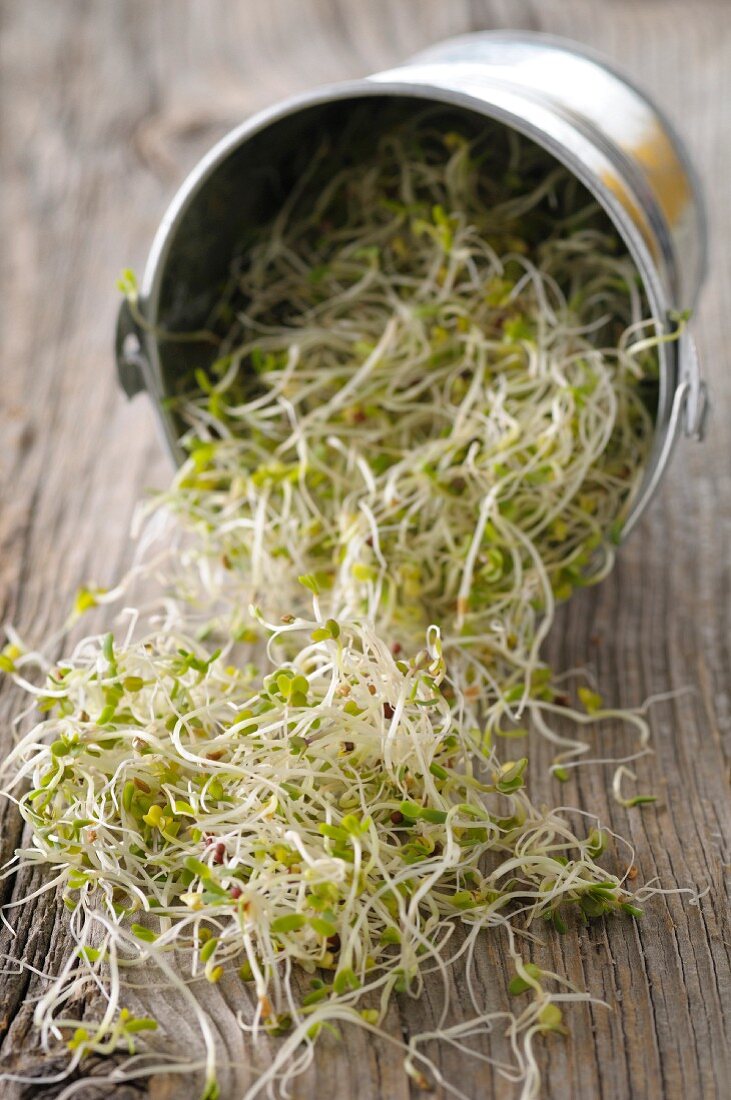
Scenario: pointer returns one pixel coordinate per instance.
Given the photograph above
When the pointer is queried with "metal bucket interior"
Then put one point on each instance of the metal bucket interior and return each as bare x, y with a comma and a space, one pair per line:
245, 180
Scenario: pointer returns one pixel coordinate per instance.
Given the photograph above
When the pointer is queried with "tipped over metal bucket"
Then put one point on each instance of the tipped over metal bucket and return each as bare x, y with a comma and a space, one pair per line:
562, 97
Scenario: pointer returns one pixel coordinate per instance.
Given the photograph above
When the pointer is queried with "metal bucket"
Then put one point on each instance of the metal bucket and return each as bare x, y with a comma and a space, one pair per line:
564, 98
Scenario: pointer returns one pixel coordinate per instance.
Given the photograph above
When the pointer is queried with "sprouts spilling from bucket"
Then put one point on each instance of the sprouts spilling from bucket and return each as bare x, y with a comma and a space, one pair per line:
429, 409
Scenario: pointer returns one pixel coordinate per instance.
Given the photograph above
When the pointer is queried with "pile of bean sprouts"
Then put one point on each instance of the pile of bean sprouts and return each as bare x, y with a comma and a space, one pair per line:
429, 411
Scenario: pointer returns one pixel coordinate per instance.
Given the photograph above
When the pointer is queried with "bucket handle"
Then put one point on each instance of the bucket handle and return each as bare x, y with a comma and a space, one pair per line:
133, 367
696, 403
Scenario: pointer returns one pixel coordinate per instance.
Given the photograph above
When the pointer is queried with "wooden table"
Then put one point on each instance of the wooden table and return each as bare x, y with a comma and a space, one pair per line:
107, 104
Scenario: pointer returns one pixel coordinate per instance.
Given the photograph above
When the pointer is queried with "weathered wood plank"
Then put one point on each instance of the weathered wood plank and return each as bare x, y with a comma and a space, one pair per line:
107, 105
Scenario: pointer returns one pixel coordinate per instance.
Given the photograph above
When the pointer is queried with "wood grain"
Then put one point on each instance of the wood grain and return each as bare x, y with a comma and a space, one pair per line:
106, 106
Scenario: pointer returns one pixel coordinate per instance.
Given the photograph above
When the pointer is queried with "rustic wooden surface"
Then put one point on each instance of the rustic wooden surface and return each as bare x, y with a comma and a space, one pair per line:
106, 105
